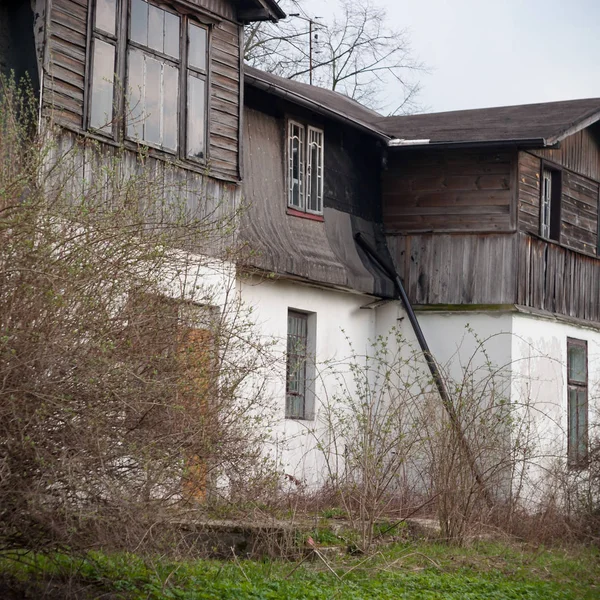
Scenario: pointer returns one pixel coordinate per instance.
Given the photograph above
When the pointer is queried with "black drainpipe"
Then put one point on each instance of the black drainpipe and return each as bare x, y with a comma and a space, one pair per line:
433, 368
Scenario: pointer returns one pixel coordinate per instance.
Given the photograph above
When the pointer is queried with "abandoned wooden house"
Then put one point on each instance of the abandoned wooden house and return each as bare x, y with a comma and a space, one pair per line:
491, 216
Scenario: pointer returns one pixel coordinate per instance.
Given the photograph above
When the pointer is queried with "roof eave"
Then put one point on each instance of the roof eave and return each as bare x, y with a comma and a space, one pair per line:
523, 143
264, 10
317, 107
582, 123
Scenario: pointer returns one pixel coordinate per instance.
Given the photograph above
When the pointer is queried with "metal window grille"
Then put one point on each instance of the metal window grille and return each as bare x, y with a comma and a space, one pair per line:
314, 194
297, 342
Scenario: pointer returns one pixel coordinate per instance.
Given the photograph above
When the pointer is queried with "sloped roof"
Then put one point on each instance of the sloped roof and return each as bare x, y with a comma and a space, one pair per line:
321, 100
544, 124
541, 124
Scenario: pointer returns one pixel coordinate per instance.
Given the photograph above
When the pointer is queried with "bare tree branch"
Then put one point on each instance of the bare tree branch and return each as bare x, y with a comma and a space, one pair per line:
356, 53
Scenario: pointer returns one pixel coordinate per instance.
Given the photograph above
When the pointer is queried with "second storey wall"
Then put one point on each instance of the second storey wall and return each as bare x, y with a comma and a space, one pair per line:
67, 64
449, 217
449, 190
579, 198
318, 248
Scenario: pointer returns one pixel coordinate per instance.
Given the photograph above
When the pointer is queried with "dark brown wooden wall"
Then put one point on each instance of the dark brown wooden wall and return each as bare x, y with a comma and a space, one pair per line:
65, 80
322, 251
556, 279
579, 200
579, 152
451, 269
449, 191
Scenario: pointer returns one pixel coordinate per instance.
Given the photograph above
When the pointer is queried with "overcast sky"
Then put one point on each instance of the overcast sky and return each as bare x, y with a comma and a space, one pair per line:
498, 52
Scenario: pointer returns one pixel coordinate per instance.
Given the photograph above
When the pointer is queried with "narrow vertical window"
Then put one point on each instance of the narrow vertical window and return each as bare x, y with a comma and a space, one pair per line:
314, 171
577, 401
196, 99
102, 87
546, 203
296, 165
550, 199
297, 345
103, 78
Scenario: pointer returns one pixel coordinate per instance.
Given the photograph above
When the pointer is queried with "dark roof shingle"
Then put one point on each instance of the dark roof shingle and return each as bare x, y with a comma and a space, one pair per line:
536, 124
545, 121
331, 103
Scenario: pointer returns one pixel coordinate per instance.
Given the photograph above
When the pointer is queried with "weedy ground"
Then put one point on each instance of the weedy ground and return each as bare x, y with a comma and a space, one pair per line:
421, 570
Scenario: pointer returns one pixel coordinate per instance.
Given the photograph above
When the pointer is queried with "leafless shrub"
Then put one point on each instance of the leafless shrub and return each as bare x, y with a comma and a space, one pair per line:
127, 362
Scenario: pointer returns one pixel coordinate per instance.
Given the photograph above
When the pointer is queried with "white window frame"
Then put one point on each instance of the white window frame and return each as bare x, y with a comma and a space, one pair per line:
301, 167
310, 171
305, 168
546, 203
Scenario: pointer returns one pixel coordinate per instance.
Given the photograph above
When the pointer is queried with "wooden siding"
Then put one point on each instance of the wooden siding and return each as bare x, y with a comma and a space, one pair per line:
446, 191
225, 99
65, 85
557, 279
319, 251
529, 192
579, 152
454, 269
64, 79
579, 205
223, 8
83, 160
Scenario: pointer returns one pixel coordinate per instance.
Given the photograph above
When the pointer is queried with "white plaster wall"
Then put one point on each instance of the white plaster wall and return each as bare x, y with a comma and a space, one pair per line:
340, 323
540, 385
467, 342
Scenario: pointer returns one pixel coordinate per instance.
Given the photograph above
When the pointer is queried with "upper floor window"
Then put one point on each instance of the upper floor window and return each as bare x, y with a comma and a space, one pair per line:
550, 204
577, 401
164, 100
305, 168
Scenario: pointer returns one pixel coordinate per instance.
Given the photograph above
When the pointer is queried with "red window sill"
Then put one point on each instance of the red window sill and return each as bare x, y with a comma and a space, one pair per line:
304, 215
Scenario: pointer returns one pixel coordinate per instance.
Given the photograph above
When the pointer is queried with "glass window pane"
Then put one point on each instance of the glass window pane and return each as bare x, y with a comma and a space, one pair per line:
156, 28
171, 35
196, 117
153, 89
315, 171
296, 171
135, 95
170, 106
197, 47
577, 360
101, 112
106, 13
582, 421
139, 22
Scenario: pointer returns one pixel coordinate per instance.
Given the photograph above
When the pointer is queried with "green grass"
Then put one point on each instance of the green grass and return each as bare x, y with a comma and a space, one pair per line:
421, 571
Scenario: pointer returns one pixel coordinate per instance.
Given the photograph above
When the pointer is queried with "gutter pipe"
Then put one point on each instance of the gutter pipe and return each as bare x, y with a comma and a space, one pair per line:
433, 368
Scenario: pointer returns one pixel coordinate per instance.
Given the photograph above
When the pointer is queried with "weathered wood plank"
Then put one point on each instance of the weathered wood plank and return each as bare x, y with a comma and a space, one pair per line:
558, 279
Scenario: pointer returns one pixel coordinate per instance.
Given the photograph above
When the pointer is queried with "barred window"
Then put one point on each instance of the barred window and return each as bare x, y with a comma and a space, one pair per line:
297, 354
305, 155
